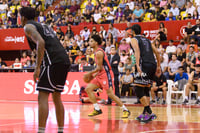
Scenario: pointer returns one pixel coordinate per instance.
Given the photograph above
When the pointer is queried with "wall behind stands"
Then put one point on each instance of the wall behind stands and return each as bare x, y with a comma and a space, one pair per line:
21, 87
14, 39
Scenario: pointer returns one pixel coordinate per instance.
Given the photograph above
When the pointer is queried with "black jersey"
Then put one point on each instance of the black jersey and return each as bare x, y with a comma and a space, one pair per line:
146, 51
196, 75
54, 51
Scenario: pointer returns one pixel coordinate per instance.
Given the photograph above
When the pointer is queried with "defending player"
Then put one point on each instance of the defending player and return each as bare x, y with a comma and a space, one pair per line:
52, 66
103, 78
146, 67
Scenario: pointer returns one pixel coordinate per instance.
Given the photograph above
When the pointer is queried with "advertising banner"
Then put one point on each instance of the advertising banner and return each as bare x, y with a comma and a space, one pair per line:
20, 86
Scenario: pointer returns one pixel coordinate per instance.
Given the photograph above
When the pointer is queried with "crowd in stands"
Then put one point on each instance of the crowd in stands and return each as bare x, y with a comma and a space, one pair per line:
178, 62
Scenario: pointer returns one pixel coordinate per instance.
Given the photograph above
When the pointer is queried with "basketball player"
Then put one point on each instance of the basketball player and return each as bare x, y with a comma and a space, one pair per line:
103, 78
146, 67
52, 66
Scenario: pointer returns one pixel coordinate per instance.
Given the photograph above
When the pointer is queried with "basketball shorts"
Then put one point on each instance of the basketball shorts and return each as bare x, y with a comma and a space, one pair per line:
147, 76
53, 77
104, 80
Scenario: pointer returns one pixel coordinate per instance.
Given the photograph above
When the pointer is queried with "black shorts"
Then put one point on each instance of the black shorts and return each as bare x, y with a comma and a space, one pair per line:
53, 77
147, 76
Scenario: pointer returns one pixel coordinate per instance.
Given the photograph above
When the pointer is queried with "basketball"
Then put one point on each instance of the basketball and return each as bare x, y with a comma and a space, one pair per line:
87, 78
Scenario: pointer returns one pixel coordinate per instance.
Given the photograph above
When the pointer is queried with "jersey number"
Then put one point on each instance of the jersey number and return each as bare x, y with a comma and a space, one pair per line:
48, 31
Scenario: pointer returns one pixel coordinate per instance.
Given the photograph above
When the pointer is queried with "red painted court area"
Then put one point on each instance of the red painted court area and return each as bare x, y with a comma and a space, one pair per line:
21, 117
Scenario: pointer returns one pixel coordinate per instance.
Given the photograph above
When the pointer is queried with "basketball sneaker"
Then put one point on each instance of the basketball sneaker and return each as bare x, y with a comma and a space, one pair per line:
140, 117
197, 102
146, 118
95, 112
153, 116
185, 102
126, 114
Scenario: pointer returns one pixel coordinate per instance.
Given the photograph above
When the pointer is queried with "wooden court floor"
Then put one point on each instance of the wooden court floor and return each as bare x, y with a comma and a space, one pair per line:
21, 117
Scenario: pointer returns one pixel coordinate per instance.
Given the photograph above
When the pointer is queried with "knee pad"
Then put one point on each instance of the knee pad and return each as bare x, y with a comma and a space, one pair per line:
146, 91
139, 91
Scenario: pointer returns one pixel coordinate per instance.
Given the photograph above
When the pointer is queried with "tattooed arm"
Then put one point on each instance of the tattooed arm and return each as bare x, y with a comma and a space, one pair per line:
31, 32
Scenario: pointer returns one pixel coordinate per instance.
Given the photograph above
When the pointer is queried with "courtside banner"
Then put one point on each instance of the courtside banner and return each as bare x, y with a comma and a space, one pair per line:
20, 86
14, 39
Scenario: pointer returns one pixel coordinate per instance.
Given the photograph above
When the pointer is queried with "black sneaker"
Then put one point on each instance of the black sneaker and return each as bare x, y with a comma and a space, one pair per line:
152, 101
185, 102
197, 101
164, 102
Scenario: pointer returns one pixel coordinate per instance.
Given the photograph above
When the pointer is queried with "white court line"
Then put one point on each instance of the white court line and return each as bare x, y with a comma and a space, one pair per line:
190, 129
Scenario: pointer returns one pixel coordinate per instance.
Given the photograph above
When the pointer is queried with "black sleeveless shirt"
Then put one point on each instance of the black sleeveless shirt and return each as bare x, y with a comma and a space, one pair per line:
146, 51
54, 52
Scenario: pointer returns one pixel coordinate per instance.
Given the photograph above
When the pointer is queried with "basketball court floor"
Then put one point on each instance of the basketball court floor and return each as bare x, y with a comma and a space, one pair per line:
21, 117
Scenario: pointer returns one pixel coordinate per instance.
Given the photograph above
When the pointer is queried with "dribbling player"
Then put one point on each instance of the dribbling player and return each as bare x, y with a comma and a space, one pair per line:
146, 67
52, 66
103, 78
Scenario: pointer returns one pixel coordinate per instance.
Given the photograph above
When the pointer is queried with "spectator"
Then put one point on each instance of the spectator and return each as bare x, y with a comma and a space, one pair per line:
69, 32
195, 14
196, 32
103, 31
152, 18
128, 13
104, 8
193, 84
41, 17
158, 45
79, 41
113, 31
70, 20
56, 17
119, 14
124, 46
123, 57
166, 10
13, 20
74, 8
24, 58
190, 8
2, 63
126, 80
123, 19
162, 32
111, 15
83, 22
180, 3
191, 56
122, 5
171, 49
174, 9
38, 5
85, 33
97, 16
121, 70
129, 65
156, 3
49, 17
131, 4
170, 17
138, 12
59, 33
87, 15
181, 56
79, 57
182, 45
90, 6
48, 3
196, 60
24, 3
114, 60
163, 64
77, 18
74, 49
89, 54
111, 39
192, 43
163, 3
60, 10
172, 67
108, 47
188, 32
146, 6
159, 84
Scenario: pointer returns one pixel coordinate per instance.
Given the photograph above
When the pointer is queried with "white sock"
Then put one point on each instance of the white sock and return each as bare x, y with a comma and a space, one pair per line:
186, 97
198, 97
124, 108
60, 129
41, 130
96, 106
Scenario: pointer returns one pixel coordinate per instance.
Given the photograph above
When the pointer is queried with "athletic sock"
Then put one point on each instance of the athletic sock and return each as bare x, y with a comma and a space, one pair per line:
41, 130
198, 97
144, 111
148, 109
60, 129
186, 97
124, 108
96, 106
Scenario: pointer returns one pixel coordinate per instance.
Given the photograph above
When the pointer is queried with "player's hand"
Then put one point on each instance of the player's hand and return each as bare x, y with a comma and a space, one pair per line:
36, 74
139, 70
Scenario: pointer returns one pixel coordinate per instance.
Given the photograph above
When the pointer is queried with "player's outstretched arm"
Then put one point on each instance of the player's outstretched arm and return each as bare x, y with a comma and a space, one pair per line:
32, 33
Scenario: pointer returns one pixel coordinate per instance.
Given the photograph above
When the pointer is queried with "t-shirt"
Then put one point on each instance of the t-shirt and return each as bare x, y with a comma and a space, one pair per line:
179, 77
171, 49
74, 50
159, 80
188, 30
125, 47
174, 65
138, 13
196, 29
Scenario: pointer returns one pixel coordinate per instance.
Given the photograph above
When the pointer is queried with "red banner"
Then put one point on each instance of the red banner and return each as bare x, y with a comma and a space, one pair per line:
14, 39
20, 86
